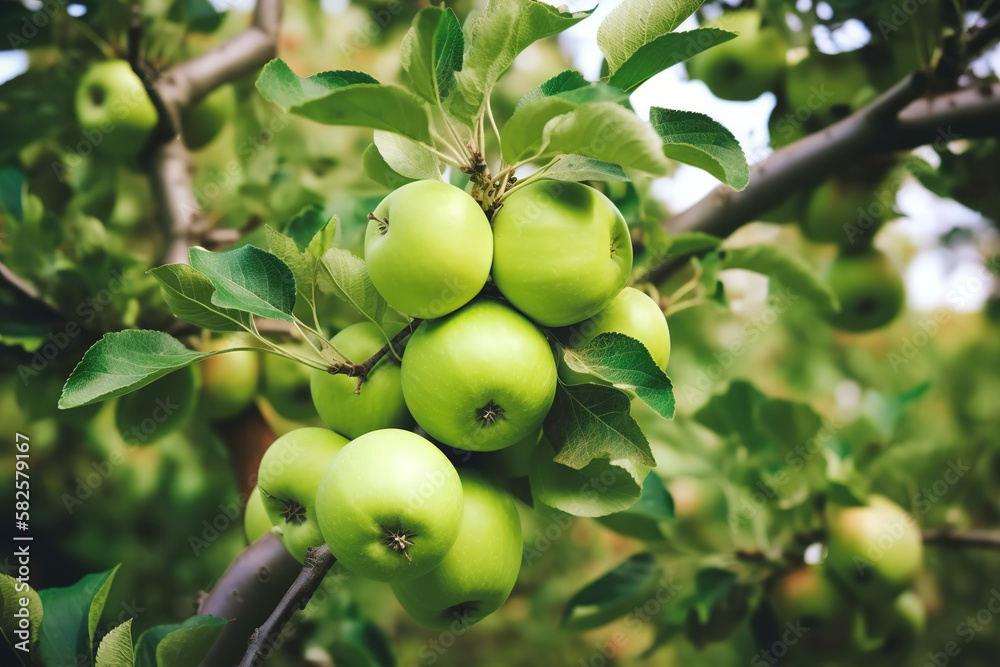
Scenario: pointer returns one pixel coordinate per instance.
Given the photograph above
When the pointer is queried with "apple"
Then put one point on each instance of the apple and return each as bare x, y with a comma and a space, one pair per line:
513, 461
876, 550
478, 573
746, 66
870, 291
256, 522
827, 88
561, 251
480, 379
900, 626
202, 122
229, 380
161, 407
114, 110
380, 403
288, 478
286, 387
632, 313
806, 595
390, 505
842, 212
429, 247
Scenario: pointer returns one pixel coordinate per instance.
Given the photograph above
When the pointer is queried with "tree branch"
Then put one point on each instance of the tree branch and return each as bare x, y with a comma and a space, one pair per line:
361, 370
950, 537
252, 585
319, 560
899, 119
182, 86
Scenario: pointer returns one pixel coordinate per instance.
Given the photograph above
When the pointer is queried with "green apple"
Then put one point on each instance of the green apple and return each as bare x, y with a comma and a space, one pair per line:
478, 573
428, 246
842, 212
869, 289
228, 380
256, 522
632, 313
806, 595
286, 388
159, 408
380, 403
745, 67
202, 122
390, 505
561, 251
827, 88
114, 110
513, 461
900, 626
288, 478
480, 379
877, 549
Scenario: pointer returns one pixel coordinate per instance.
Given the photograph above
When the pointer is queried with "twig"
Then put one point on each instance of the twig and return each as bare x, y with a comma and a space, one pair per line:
362, 370
319, 560
897, 120
950, 537
182, 86
253, 584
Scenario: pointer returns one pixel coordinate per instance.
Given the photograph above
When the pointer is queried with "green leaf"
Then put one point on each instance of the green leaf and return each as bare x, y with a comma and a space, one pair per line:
786, 268
733, 414
697, 140
122, 362
285, 249
406, 157
589, 422
361, 643
12, 191
635, 23
377, 169
627, 364
711, 584
345, 275
71, 617
306, 224
431, 53
614, 594
605, 131
689, 243
579, 168
656, 502
521, 136
345, 98
277, 83
115, 649
12, 594
597, 489
562, 82
664, 52
493, 38
248, 278
201, 16
321, 241
788, 423
178, 645
188, 293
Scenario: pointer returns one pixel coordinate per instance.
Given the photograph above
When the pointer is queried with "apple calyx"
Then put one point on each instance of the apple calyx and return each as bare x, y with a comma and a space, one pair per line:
294, 512
490, 414
462, 611
383, 223
399, 540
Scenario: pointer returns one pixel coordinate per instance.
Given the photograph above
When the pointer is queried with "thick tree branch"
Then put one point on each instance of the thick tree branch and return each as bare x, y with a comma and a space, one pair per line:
180, 87
899, 119
949, 537
253, 584
319, 560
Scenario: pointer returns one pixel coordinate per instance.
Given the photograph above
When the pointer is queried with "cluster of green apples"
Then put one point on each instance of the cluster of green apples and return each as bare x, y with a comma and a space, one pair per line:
859, 602
478, 373
117, 116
